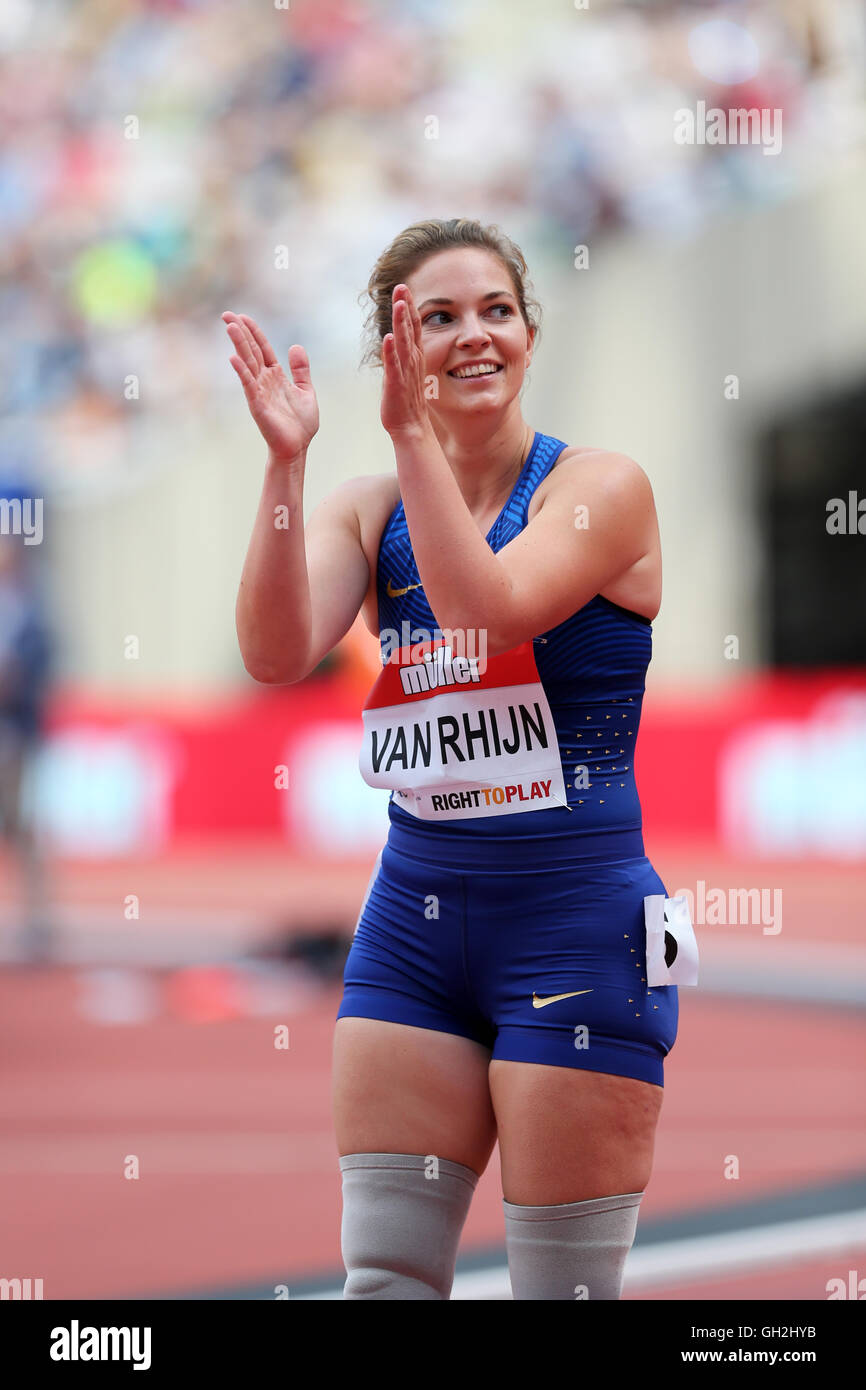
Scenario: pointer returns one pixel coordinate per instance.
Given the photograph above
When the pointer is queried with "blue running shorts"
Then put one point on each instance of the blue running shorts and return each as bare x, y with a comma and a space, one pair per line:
539, 957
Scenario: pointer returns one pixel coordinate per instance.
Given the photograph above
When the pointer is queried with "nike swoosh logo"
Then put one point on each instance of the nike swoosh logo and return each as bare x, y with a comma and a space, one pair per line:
398, 593
552, 998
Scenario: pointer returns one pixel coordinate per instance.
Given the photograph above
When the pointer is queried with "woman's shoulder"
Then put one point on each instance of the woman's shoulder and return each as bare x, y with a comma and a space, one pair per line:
612, 486
592, 459
373, 496
603, 471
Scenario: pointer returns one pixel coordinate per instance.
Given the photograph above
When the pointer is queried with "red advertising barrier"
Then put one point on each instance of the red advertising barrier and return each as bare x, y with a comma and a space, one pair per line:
771, 765
774, 765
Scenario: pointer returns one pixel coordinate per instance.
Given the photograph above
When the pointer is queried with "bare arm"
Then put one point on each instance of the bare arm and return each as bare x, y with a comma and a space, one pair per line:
298, 596
300, 591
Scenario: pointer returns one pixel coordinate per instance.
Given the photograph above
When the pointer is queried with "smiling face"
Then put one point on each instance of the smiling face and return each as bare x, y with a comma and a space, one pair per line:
476, 342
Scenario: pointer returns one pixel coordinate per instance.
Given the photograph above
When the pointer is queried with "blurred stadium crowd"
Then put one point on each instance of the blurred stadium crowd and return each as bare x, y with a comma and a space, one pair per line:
155, 155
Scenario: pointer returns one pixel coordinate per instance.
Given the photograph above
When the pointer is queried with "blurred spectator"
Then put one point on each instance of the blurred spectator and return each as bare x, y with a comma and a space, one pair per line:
25, 667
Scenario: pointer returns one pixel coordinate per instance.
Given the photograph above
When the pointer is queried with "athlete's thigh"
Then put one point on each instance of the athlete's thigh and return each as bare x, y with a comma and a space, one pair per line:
400, 1089
568, 1134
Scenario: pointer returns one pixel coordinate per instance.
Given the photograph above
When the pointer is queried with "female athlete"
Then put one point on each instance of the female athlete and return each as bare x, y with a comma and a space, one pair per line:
496, 987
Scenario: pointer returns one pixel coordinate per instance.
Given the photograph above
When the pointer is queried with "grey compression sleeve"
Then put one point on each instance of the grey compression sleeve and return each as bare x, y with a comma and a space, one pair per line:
402, 1219
573, 1251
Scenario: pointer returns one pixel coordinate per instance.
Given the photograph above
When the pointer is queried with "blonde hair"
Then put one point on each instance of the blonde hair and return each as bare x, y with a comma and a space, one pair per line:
412, 247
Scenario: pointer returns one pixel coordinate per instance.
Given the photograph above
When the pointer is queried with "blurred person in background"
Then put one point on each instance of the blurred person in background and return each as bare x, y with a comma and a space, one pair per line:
25, 666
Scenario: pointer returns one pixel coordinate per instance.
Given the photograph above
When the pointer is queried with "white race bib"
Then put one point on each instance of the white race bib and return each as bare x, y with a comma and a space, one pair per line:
671, 947
455, 742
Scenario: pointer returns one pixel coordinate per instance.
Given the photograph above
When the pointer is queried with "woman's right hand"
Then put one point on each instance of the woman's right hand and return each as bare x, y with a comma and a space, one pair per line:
286, 412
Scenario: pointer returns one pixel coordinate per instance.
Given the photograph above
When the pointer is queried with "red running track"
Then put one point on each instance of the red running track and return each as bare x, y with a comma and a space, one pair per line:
239, 1182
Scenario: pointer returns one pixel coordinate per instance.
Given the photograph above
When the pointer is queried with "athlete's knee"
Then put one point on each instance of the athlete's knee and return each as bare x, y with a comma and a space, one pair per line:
576, 1250
402, 1219
378, 1281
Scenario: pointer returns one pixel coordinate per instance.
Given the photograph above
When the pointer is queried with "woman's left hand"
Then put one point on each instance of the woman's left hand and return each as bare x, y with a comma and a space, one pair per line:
404, 406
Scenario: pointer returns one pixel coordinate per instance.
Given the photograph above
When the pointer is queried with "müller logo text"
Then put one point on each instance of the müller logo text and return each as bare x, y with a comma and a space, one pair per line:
438, 669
